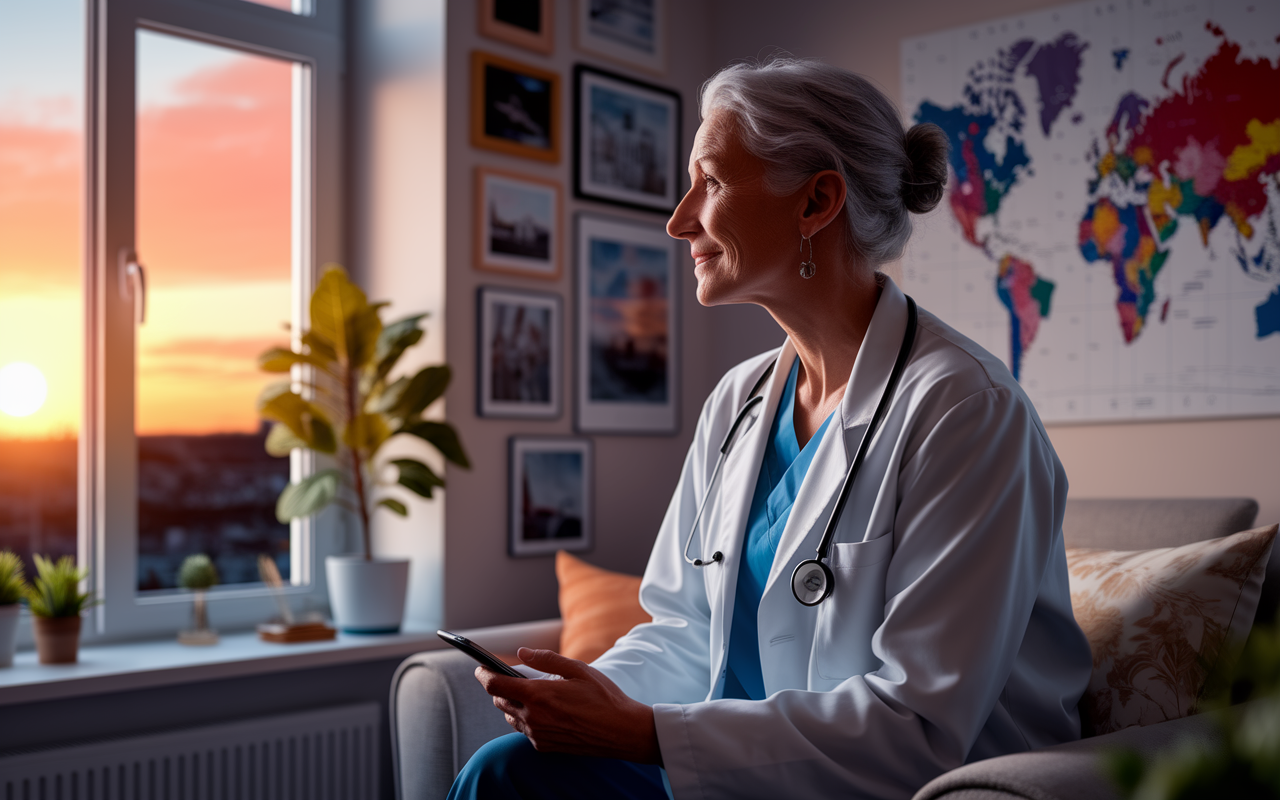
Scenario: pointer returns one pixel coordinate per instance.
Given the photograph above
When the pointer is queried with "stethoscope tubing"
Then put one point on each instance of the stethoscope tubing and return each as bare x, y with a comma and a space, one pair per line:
818, 571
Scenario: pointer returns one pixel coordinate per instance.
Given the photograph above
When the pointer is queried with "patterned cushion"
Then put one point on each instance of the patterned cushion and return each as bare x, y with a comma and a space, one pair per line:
598, 606
1159, 622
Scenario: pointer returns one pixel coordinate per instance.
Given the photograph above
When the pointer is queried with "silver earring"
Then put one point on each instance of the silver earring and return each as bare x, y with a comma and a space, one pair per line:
807, 268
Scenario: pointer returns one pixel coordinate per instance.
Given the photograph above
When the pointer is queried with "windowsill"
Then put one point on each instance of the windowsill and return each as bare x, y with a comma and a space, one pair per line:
144, 665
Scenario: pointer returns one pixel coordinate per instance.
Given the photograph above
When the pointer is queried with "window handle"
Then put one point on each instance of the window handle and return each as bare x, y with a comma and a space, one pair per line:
133, 283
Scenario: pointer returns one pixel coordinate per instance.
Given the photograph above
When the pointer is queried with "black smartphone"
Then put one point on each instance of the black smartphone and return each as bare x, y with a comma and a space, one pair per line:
478, 653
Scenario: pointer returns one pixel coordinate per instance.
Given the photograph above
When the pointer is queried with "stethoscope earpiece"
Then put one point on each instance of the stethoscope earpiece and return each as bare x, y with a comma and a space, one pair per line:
716, 556
811, 582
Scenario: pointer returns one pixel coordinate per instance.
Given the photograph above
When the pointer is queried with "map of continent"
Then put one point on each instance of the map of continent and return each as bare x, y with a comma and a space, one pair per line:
1110, 221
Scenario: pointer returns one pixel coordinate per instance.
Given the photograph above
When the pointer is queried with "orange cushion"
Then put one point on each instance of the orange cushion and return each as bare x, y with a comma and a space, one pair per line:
597, 607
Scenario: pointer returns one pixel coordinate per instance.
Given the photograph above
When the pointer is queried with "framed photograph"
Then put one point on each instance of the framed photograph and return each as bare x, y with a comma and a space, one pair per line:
515, 108
632, 33
550, 495
524, 23
626, 142
627, 341
517, 224
519, 370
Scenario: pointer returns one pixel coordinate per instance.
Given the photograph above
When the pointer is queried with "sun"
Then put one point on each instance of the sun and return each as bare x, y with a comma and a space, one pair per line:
22, 389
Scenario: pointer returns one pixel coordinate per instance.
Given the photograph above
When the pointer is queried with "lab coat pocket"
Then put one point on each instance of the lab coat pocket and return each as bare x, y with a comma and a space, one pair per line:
849, 617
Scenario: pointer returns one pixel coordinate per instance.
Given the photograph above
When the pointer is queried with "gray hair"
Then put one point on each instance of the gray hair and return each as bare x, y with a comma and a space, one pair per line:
803, 116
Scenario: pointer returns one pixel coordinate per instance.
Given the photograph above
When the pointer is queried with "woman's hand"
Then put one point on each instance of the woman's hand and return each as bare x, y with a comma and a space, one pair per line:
583, 713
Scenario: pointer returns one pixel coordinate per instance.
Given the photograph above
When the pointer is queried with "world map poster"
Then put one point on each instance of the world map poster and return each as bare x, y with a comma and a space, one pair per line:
1110, 227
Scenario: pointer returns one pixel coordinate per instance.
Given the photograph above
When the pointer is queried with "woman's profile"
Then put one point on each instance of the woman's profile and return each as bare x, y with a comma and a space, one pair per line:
860, 580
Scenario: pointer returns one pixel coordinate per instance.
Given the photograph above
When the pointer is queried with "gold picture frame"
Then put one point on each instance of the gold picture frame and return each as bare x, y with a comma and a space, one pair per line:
515, 108
517, 32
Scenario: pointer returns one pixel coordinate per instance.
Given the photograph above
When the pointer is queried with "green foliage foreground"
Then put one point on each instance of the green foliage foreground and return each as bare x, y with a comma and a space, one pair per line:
1246, 764
342, 403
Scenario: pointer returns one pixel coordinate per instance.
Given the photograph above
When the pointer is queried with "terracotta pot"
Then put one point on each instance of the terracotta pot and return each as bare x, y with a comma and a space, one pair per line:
57, 639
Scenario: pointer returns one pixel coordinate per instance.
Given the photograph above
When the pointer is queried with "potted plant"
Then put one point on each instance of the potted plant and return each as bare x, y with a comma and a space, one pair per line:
197, 574
343, 403
12, 587
56, 601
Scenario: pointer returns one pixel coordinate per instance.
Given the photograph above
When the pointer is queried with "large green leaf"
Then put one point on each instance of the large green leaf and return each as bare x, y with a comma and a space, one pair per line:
319, 346
308, 495
394, 505
424, 389
281, 441
441, 435
303, 418
395, 339
417, 477
280, 359
341, 315
366, 433
389, 397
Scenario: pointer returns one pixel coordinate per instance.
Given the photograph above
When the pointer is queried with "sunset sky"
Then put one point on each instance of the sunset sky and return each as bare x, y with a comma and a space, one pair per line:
214, 138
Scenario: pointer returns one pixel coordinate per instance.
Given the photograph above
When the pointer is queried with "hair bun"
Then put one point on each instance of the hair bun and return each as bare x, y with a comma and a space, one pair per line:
926, 177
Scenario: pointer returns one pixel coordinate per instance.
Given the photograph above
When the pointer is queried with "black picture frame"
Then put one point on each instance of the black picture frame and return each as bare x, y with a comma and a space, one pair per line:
615, 114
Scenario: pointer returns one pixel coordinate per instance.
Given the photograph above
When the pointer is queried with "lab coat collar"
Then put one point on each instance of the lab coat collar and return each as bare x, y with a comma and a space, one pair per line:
867, 381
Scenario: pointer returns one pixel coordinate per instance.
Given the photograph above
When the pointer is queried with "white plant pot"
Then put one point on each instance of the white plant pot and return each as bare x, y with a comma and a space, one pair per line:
8, 632
367, 596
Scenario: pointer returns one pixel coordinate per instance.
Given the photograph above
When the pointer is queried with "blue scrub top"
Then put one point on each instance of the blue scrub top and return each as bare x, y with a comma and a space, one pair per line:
781, 473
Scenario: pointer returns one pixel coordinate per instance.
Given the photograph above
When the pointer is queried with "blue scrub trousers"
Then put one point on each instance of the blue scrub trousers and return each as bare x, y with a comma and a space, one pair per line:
508, 768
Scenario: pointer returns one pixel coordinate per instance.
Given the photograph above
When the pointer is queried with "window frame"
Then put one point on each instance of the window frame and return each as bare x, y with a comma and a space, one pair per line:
108, 496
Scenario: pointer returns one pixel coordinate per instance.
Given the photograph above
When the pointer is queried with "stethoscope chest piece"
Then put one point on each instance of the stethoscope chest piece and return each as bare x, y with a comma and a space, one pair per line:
811, 582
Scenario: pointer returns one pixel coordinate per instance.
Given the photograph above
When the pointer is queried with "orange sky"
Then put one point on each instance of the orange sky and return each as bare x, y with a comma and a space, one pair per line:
213, 229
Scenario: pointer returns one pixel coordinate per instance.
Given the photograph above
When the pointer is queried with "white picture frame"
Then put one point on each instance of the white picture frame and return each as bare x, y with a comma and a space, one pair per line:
631, 33
627, 336
519, 353
549, 497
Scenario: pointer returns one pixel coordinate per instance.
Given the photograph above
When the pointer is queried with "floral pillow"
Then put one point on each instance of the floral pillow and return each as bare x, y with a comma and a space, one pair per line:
1159, 621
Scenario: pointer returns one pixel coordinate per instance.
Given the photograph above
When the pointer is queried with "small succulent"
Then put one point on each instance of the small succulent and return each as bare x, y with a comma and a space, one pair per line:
13, 582
197, 572
55, 592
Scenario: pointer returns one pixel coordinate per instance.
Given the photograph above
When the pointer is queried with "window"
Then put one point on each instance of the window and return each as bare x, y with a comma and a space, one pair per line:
205, 154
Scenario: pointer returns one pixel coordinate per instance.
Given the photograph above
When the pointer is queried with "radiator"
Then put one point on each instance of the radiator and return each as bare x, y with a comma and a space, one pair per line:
330, 754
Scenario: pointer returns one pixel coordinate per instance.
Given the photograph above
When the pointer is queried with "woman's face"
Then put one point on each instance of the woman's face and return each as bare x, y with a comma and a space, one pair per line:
741, 236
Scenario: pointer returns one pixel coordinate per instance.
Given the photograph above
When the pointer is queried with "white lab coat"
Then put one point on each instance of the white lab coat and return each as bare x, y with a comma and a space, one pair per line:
949, 635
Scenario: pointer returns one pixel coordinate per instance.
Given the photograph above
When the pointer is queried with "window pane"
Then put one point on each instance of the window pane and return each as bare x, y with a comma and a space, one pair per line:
41, 303
214, 150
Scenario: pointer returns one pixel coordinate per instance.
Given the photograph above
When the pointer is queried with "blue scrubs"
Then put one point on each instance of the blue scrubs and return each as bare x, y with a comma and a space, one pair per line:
509, 767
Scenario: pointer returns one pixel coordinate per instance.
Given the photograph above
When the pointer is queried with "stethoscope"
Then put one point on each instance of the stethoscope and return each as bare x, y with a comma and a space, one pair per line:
812, 581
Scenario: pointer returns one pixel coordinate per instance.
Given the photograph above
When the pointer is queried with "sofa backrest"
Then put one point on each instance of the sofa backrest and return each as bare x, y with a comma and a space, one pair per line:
1143, 524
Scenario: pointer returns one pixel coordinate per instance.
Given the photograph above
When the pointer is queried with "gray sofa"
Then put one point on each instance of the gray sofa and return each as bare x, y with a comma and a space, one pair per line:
440, 716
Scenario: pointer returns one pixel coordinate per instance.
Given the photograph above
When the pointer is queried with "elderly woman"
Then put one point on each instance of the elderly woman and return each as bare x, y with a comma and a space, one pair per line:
860, 582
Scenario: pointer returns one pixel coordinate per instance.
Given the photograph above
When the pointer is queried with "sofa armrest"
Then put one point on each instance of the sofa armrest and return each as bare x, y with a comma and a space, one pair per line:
1072, 771
440, 716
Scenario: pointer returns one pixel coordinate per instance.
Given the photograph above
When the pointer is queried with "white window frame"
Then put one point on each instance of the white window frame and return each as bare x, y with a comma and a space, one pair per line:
108, 492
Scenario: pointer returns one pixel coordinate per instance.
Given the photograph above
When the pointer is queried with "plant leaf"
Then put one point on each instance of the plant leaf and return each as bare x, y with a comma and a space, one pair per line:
308, 495
366, 433
443, 437
384, 401
424, 389
303, 418
394, 340
319, 346
417, 477
394, 505
341, 314
281, 441
280, 359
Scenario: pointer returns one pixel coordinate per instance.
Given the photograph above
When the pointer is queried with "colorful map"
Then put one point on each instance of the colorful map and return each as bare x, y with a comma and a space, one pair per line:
1110, 226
